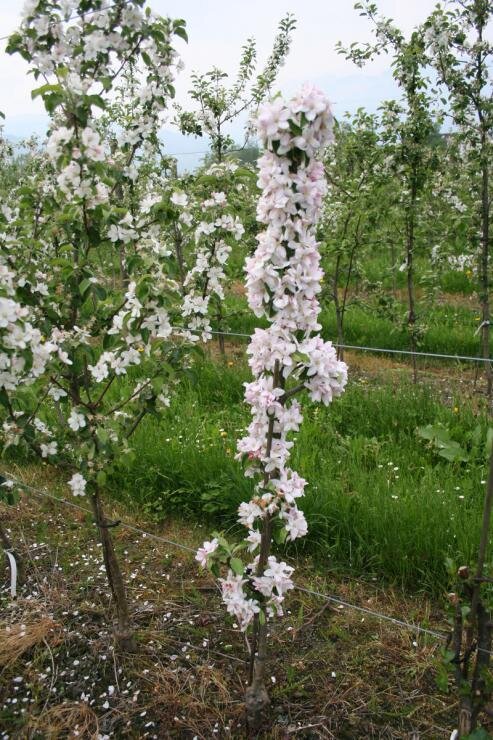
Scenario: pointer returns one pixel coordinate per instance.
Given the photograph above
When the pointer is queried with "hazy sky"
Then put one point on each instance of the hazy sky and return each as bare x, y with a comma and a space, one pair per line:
218, 28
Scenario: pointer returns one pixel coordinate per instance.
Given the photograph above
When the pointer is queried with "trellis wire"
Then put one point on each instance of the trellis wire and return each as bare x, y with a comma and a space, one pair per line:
416, 628
126, 525
384, 350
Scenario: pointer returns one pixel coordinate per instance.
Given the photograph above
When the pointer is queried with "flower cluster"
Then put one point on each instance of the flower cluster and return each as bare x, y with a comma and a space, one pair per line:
24, 352
213, 235
283, 281
80, 219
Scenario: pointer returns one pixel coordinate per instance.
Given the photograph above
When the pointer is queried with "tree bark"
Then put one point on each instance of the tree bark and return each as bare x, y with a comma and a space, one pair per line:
339, 310
411, 315
256, 696
484, 272
122, 628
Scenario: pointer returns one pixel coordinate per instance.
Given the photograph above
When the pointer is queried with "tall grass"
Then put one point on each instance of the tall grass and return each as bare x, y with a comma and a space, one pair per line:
446, 329
378, 502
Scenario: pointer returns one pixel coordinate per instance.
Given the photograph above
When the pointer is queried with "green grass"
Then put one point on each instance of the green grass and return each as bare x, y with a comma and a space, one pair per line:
375, 269
379, 502
445, 329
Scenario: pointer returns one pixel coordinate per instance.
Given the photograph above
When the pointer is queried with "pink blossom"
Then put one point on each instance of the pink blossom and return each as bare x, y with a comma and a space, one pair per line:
207, 549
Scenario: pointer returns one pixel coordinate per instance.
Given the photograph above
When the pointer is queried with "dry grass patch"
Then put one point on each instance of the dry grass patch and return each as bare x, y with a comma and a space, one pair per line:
16, 639
68, 720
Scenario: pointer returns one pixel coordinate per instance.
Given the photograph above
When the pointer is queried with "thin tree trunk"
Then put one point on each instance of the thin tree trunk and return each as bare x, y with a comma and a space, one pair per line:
411, 316
122, 628
474, 693
465, 716
483, 546
484, 273
180, 258
219, 319
480, 690
393, 266
256, 696
481, 78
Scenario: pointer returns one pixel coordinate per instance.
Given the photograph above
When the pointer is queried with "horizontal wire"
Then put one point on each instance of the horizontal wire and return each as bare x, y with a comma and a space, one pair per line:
333, 599
415, 354
378, 349
38, 492
370, 612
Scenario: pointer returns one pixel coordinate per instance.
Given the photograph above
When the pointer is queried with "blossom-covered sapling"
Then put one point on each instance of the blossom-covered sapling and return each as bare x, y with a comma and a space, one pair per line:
283, 281
111, 355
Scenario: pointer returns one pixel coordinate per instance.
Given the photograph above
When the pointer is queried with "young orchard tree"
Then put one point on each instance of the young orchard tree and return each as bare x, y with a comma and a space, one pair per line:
283, 281
352, 211
213, 209
407, 127
459, 49
218, 105
108, 355
23, 350
449, 212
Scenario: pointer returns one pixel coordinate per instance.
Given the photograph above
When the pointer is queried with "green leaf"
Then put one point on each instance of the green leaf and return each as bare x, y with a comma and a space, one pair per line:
4, 399
157, 384
44, 89
96, 100
280, 536
84, 285
237, 566
179, 29
442, 678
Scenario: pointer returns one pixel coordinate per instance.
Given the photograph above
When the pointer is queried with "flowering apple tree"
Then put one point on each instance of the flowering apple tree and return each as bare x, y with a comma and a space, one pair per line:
283, 280
107, 352
459, 47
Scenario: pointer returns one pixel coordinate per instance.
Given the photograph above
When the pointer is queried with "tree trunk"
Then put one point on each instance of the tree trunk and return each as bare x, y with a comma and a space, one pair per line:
339, 309
393, 269
122, 629
411, 315
474, 693
465, 716
180, 259
219, 319
256, 696
484, 271
340, 332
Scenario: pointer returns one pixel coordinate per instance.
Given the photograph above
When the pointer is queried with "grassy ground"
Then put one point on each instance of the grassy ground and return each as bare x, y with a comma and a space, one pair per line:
381, 501
384, 509
447, 317
334, 672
